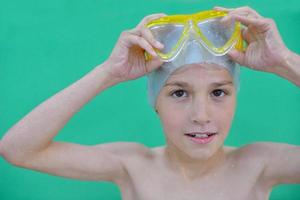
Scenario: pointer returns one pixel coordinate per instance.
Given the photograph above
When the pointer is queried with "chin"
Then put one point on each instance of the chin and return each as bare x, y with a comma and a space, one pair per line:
202, 153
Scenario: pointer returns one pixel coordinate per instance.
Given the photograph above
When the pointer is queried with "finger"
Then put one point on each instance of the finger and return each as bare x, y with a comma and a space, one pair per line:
237, 56
142, 43
147, 34
246, 35
134, 31
223, 9
149, 18
140, 29
146, 46
261, 24
153, 64
226, 21
153, 16
246, 11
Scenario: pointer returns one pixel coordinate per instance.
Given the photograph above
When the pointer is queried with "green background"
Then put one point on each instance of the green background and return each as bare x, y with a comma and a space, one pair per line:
47, 45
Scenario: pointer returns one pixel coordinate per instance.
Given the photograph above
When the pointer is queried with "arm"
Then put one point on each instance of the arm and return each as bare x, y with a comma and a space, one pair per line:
266, 50
290, 69
29, 142
281, 162
283, 165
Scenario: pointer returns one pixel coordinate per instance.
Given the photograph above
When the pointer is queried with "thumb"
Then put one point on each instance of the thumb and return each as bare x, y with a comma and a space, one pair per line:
237, 56
153, 64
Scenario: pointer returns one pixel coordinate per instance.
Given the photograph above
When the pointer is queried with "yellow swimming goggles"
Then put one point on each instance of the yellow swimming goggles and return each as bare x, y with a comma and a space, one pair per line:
206, 28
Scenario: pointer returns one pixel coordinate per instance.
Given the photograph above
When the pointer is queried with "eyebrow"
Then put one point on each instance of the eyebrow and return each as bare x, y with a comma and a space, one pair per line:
218, 84
185, 84
177, 83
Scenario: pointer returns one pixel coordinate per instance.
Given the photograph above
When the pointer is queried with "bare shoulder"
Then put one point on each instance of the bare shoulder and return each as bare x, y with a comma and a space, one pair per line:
280, 161
252, 151
262, 149
250, 156
263, 154
247, 162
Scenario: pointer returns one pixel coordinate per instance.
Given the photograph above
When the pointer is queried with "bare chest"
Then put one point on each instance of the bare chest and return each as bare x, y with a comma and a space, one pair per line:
153, 182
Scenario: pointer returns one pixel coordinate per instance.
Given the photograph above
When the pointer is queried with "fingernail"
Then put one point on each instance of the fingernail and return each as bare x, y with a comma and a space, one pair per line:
225, 19
159, 45
153, 53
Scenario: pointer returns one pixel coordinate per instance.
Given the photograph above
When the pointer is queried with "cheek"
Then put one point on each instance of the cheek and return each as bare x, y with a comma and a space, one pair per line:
172, 120
224, 115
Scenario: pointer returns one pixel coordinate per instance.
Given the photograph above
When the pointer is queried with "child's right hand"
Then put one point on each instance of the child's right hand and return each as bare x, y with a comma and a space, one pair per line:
127, 60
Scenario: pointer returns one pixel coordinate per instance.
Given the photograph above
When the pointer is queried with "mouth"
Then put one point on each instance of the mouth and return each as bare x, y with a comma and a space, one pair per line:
201, 137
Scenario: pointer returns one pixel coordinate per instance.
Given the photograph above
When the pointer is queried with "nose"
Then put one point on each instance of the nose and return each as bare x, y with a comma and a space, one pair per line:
200, 111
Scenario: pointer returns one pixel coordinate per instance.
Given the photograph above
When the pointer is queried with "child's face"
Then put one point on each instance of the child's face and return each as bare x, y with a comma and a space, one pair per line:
197, 99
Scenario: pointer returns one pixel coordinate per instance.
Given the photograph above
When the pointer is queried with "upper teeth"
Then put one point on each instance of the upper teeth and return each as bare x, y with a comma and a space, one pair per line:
200, 135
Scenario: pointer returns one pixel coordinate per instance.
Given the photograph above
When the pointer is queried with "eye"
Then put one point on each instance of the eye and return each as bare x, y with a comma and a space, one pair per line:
218, 93
178, 93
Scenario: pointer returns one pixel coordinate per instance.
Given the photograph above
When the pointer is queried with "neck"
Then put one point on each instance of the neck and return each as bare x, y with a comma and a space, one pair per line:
191, 168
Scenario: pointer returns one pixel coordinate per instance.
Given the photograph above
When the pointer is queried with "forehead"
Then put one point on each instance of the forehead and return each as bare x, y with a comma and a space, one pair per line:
206, 71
